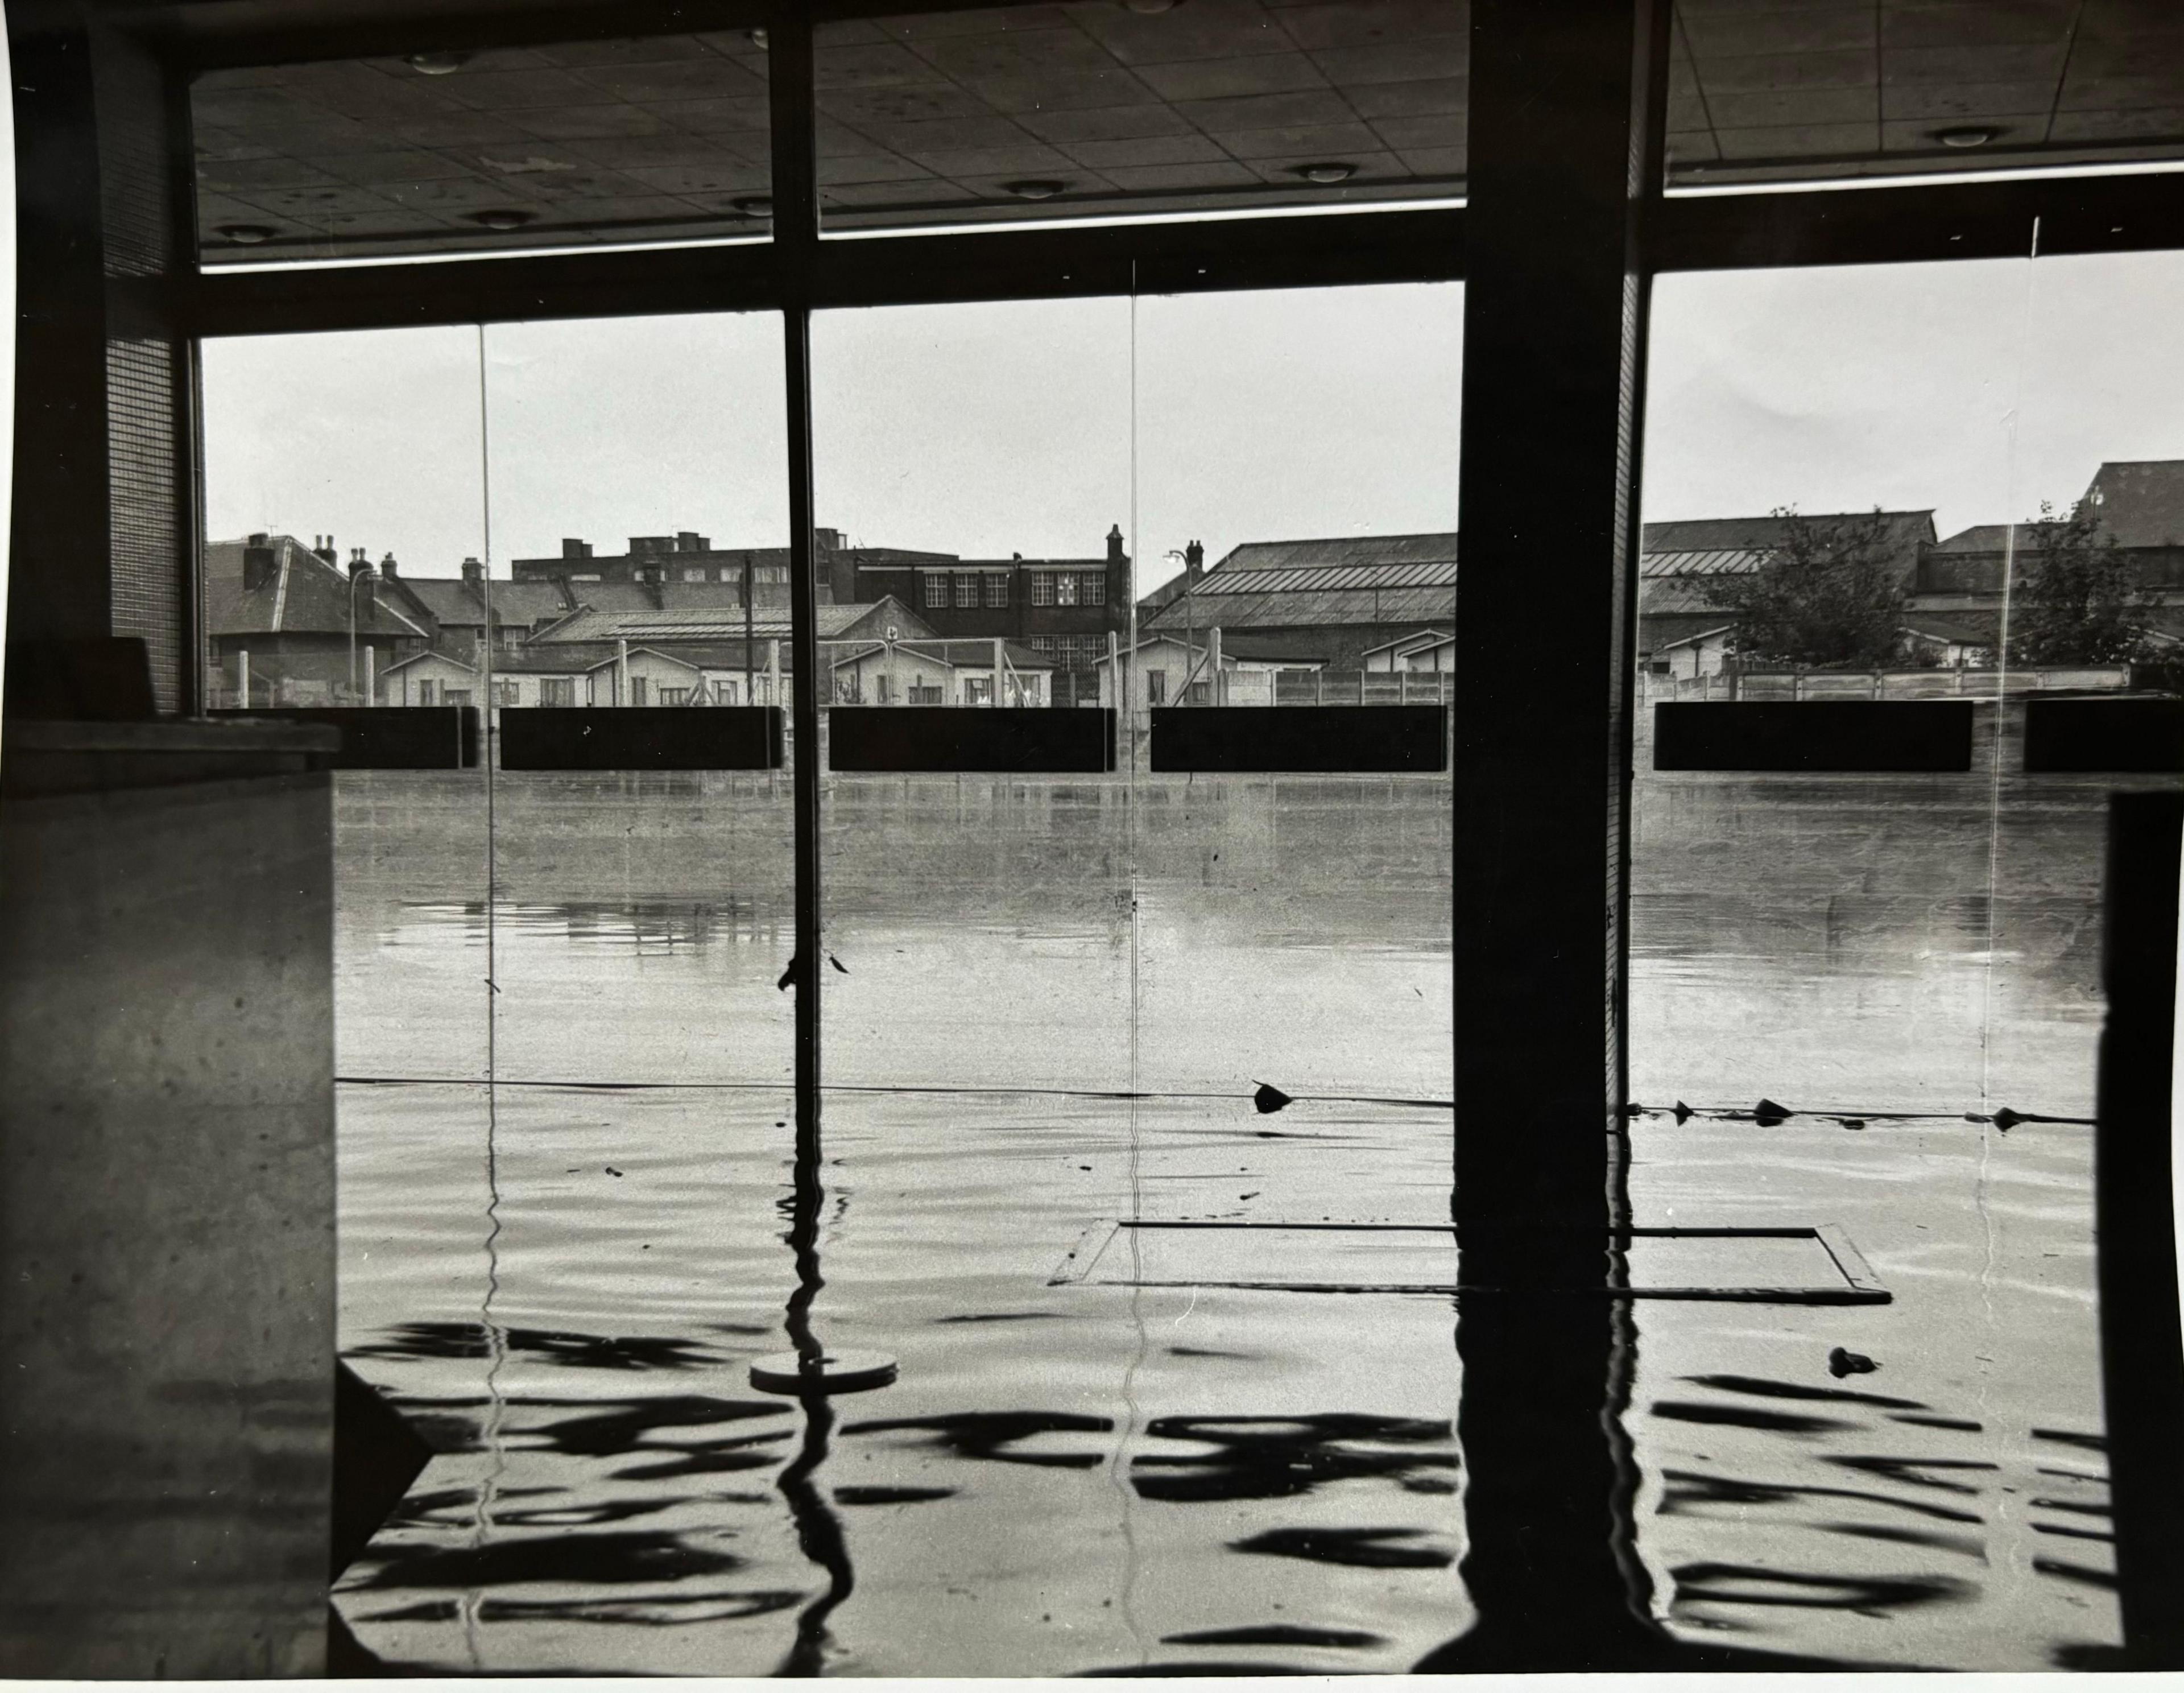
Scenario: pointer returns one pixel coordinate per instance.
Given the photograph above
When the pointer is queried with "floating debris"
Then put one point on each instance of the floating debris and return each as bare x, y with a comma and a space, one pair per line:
1842, 1362
1269, 1099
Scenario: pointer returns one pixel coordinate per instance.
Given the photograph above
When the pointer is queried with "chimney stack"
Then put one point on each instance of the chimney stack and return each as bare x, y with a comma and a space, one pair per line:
324, 548
388, 567
359, 569
474, 576
1194, 563
259, 562
1115, 545
573, 548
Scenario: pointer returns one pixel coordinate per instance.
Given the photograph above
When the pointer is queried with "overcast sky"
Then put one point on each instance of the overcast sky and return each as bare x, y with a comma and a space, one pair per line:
1977, 388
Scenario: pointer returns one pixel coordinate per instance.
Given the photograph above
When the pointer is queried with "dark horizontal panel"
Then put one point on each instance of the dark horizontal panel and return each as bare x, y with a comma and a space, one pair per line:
1270, 740
1866, 225
2121, 736
1059, 741
484, 290
1814, 734
640, 738
388, 737
1178, 257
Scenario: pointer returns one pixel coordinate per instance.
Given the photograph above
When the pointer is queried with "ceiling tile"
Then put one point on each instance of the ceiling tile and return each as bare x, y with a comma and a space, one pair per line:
1327, 141
1939, 65
1766, 72
1789, 141
1142, 178
1268, 111
1974, 23
1396, 62
1172, 149
1794, 106
921, 102
1917, 102
1201, 28
1025, 159
1080, 92
1015, 53
1361, 23
1409, 99
1446, 129
577, 123
1207, 79
1118, 123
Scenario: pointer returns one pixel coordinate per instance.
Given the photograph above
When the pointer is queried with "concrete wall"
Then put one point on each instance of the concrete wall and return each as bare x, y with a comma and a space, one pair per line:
166, 1229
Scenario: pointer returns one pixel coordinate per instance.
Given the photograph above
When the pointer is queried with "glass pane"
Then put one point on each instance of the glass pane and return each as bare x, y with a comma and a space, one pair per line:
659, 138
1847, 985
1297, 487
335, 467
1039, 112
649, 908
1842, 90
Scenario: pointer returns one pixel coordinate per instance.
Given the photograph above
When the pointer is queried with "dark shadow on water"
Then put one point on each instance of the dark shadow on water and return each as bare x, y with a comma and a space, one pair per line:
1278, 1457
1763, 1386
1875, 1596
451, 1340
1684, 1491
587, 1559
613, 1432
1746, 1417
1910, 1470
675, 1609
1352, 1548
989, 1436
1275, 1635
892, 1496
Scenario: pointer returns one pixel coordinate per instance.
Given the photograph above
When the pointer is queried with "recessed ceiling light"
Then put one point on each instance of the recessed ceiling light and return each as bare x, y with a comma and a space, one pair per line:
1038, 188
760, 40
1971, 135
503, 217
1327, 173
437, 64
243, 234
756, 205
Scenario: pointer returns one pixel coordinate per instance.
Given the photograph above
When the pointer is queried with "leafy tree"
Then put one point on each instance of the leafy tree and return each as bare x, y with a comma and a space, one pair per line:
2075, 599
1831, 593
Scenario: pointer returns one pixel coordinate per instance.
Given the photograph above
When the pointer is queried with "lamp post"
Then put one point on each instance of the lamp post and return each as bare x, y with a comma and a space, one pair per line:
1190, 625
355, 577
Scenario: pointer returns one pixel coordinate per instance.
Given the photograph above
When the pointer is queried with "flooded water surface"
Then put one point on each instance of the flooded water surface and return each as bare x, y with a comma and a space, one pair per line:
1048, 1008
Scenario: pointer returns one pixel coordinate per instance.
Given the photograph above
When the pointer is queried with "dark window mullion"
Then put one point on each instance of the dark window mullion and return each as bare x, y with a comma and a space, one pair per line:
795, 237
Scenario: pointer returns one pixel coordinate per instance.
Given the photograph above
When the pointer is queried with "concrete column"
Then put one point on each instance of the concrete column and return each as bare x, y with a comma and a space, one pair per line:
243, 678
621, 672
167, 1213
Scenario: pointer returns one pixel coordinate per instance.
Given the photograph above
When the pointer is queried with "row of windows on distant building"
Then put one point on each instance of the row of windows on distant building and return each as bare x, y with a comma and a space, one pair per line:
967, 589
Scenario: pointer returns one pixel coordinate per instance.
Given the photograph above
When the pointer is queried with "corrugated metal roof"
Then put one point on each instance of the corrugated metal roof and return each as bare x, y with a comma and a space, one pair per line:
1309, 609
1711, 561
1435, 546
768, 622
1435, 573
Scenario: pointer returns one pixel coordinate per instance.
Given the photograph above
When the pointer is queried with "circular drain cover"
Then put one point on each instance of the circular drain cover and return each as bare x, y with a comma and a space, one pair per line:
830, 1372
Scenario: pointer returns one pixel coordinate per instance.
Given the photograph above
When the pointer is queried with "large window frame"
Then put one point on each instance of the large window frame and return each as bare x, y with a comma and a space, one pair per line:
1555, 314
